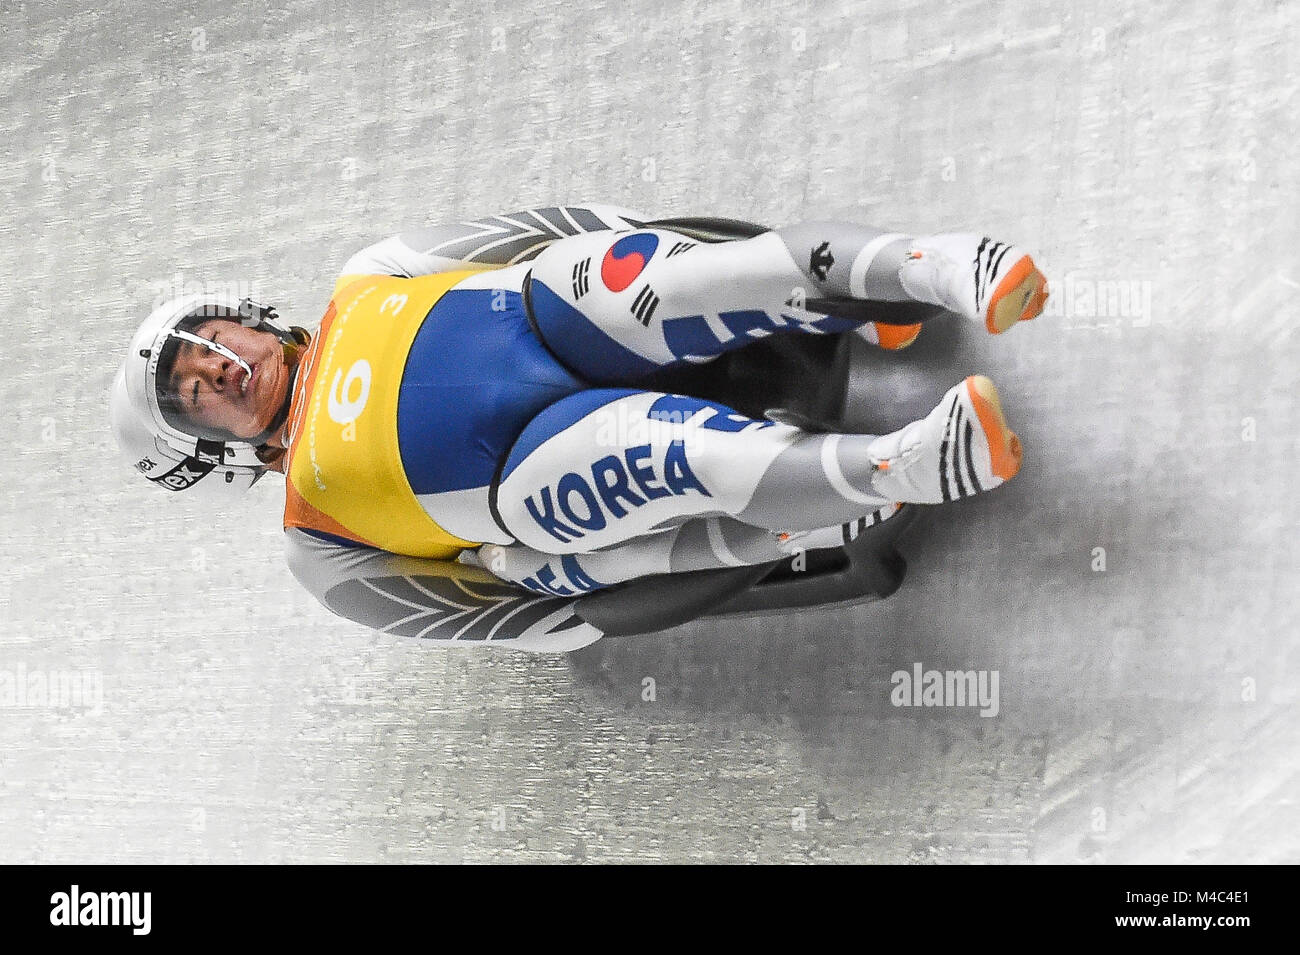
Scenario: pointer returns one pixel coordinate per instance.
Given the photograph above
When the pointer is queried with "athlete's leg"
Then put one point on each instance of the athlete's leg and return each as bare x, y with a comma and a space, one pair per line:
607, 466
617, 306
702, 543
993, 283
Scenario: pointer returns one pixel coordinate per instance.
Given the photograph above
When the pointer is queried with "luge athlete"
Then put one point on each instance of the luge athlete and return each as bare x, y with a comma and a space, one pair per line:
465, 419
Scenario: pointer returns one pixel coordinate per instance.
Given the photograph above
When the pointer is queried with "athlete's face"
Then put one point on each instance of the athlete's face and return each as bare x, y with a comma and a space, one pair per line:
218, 393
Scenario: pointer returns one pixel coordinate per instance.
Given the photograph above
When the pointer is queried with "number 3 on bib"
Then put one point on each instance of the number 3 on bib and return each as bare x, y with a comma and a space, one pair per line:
348, 396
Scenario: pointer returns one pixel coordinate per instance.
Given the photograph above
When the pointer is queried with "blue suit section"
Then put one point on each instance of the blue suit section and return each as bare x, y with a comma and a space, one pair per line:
475, 376
557, 418
581, 344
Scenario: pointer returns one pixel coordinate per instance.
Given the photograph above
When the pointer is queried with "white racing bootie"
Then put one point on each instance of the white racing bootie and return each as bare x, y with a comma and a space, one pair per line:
987, 281
959, 449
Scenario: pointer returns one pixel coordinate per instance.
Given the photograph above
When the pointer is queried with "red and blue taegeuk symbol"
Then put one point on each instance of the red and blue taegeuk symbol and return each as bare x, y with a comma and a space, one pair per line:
626, 259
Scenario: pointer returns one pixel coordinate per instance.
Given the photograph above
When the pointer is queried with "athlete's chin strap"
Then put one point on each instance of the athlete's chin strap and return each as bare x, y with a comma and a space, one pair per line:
293, 345
293, 339
291, 356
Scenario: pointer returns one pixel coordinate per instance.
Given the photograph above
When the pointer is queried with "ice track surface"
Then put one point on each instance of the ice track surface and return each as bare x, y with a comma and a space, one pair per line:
1148, 711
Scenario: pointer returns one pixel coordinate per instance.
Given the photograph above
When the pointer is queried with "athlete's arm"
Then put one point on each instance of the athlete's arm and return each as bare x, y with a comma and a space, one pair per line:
443, 601
493, 241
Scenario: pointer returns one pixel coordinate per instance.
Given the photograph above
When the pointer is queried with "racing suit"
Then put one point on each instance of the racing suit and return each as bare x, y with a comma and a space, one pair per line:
465, 425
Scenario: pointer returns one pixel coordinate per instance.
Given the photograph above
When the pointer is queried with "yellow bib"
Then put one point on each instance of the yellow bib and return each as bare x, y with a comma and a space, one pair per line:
344, 475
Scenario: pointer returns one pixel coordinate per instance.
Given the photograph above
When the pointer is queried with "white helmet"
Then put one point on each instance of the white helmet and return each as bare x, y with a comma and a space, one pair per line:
161, 445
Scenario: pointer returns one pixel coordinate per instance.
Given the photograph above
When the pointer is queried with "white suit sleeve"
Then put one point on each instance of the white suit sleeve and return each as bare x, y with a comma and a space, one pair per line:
493, 241
442, 602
